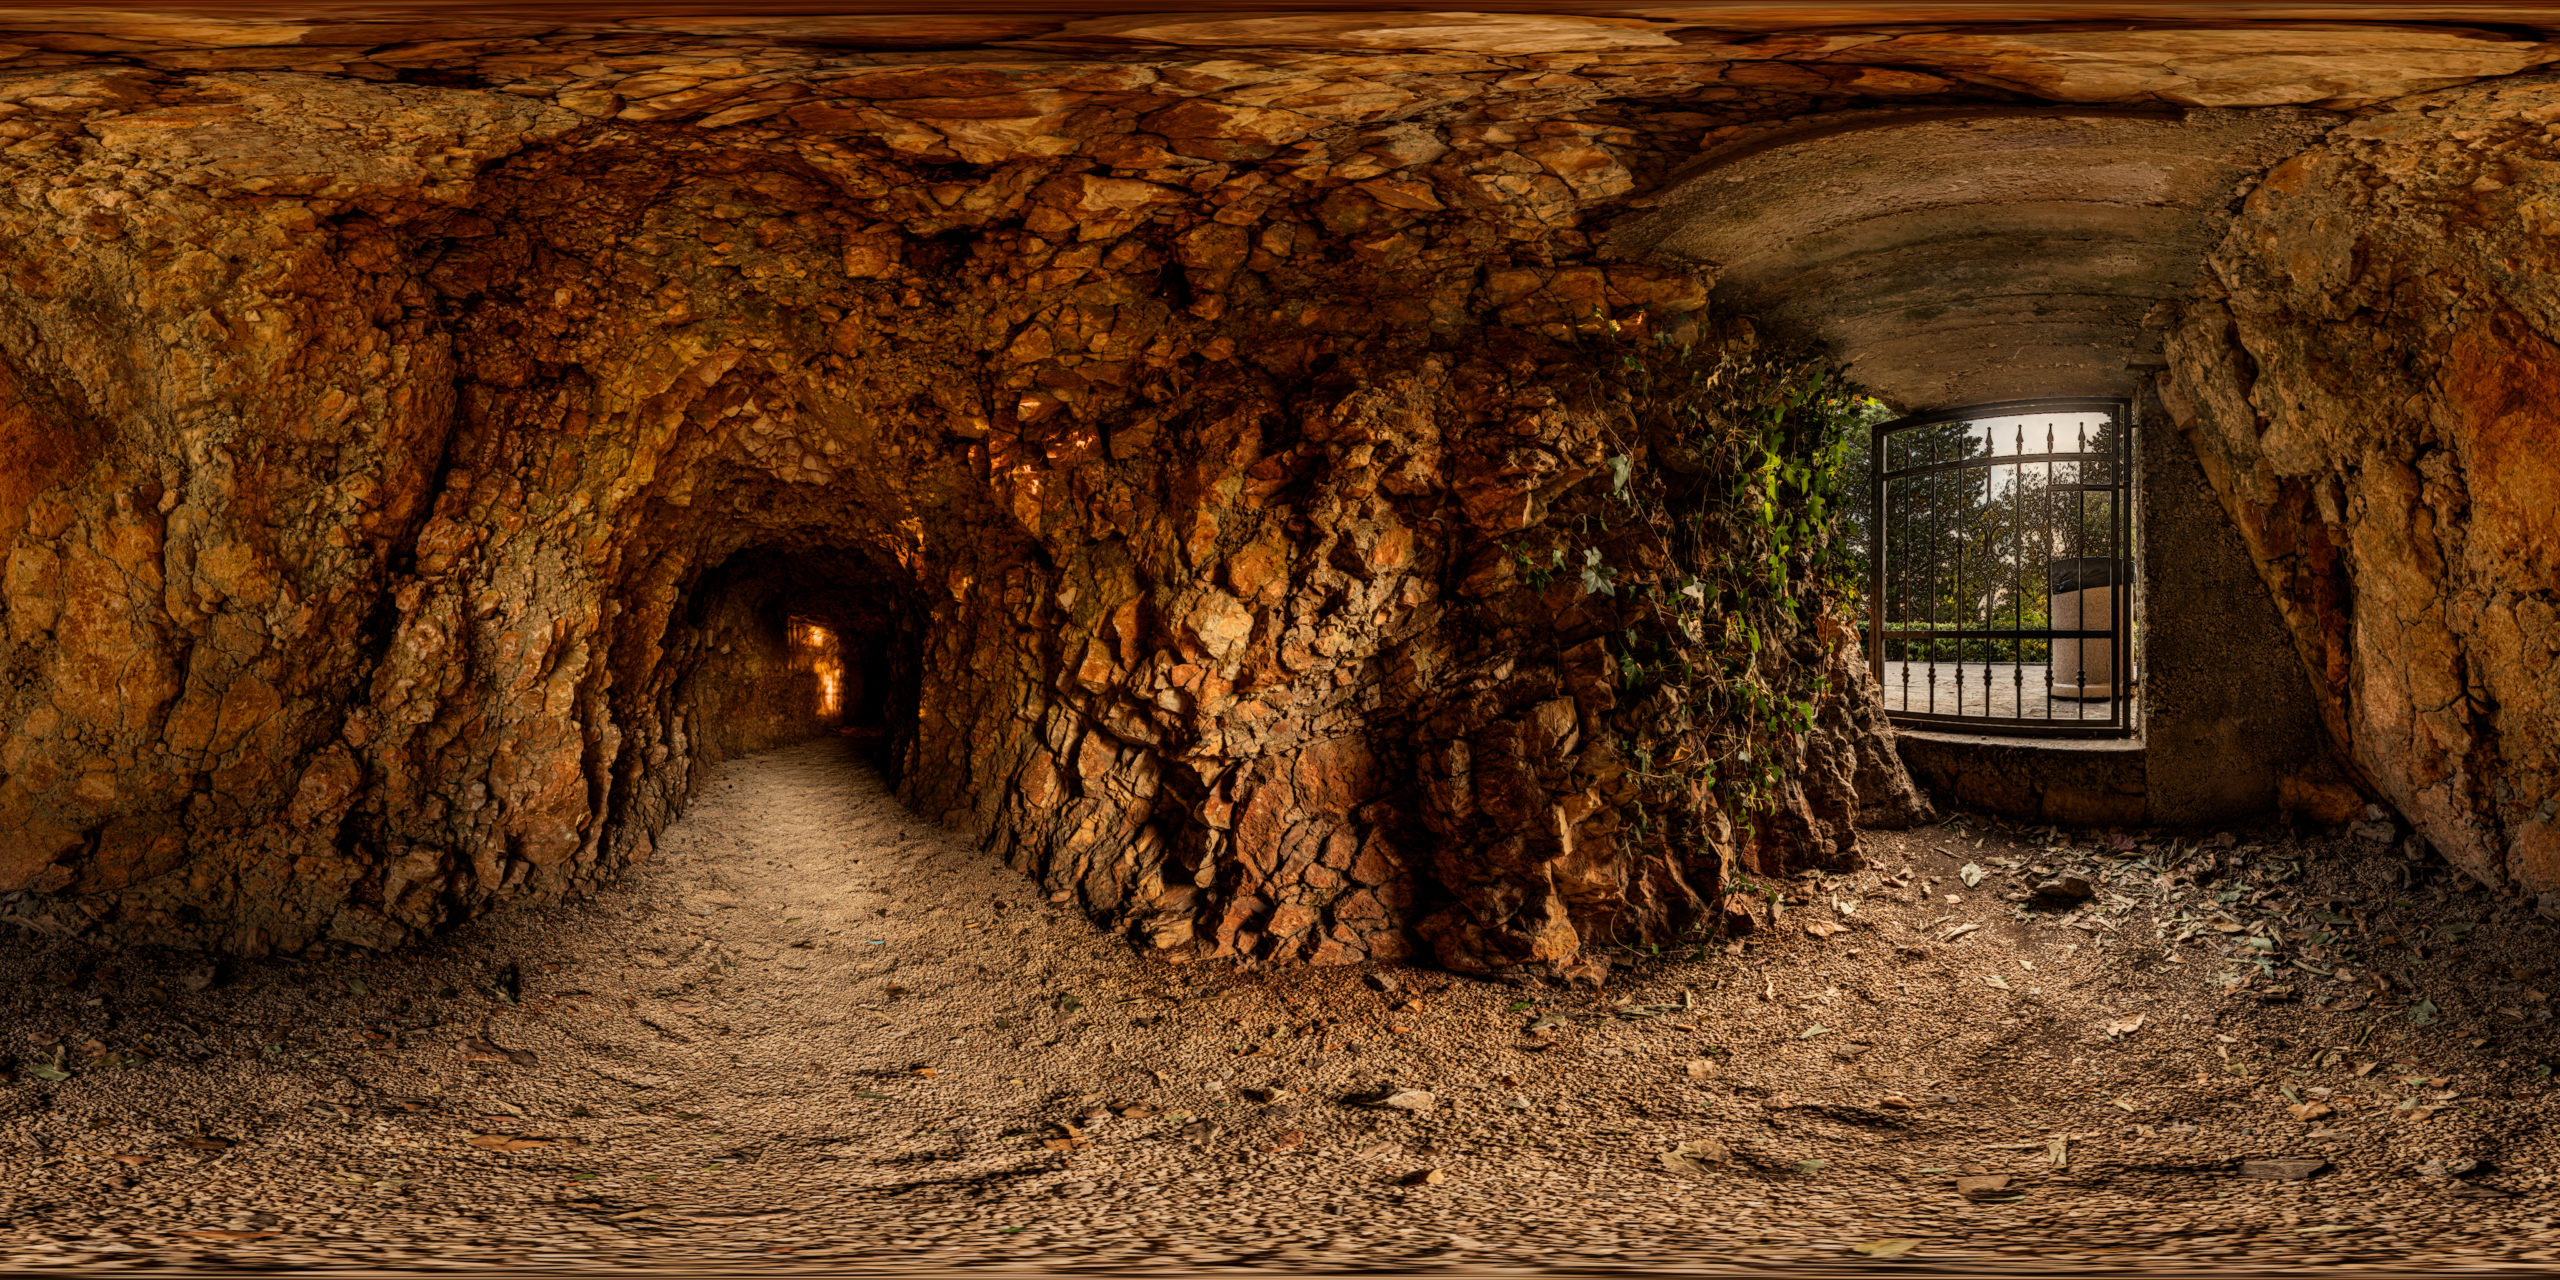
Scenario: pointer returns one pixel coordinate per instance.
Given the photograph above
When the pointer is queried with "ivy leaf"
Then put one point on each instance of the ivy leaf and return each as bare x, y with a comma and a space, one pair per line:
1620, 468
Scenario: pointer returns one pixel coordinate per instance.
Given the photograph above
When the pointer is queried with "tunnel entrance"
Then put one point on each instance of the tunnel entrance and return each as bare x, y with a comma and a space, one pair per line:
2000, 592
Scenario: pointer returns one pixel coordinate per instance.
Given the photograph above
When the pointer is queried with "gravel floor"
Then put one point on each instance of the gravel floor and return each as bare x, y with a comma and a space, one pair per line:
819, 1035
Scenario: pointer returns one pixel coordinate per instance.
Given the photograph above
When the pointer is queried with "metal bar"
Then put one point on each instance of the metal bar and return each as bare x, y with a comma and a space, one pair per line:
1876, 550
2030, 729
2044, 552
1932, 675
2123, 616
1968, 531
2080, 602
2017, 580
1970, 464
1994, 633
2005, 409
1962, 513
1906, 596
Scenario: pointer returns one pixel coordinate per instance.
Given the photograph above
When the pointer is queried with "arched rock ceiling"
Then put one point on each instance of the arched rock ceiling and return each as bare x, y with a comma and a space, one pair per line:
1950, 256
1964, 255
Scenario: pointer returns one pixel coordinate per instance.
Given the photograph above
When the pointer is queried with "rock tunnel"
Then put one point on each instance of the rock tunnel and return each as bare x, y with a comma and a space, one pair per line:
1277, 479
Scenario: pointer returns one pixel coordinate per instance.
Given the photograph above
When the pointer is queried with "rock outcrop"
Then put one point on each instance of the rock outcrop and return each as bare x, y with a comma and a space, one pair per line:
2374, 386
406, 477
1227, 451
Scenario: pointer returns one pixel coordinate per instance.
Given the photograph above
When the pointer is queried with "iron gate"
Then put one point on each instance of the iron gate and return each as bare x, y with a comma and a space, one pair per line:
2000, 589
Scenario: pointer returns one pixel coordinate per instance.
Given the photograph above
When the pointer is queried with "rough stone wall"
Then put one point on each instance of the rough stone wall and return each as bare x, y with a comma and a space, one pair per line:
370, 438
378, 403
2373, 387
2230, 728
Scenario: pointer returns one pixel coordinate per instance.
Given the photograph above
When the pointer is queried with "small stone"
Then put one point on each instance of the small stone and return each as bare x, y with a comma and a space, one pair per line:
2076, 888
1700, 1068
2283, 1169
1738, 917
1405, 1100
1425, 1178
1983, 1186
1695, 1157
1380, 982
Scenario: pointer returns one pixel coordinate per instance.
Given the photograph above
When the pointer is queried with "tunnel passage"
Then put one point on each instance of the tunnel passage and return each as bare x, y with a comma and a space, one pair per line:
1257, 463
773, 647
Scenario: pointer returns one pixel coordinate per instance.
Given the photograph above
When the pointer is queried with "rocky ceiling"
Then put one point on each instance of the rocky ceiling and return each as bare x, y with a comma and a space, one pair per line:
2005, 248
1960, 256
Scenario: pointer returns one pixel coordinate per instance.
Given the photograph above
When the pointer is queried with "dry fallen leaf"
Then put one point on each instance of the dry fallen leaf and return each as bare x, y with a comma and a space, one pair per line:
2123, 1026
1696, 1157
211, 1234
2308, 1111
1425, 1178
1885, 1248
1701, 1068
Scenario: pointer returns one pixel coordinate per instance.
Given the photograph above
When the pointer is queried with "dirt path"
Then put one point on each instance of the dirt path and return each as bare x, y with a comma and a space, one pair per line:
817, 1031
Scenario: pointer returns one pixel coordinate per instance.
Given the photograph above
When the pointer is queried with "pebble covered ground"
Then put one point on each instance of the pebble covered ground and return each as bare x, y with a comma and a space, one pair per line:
817, 1034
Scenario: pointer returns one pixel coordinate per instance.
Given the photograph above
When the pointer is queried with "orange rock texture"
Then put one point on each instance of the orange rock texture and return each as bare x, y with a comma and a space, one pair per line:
403, 431
401, 468
2374, 386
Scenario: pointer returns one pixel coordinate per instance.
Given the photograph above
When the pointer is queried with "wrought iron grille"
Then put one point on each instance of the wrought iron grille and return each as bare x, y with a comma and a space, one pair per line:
2000, 590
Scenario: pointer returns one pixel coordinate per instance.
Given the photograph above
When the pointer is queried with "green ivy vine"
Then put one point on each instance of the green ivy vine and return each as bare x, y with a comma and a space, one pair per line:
1736, 458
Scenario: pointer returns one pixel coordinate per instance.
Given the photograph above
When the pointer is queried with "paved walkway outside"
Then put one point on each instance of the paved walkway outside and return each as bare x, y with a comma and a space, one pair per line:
2006, 689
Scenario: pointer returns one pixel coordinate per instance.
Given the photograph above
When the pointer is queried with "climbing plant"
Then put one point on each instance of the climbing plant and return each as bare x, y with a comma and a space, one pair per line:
1733, 463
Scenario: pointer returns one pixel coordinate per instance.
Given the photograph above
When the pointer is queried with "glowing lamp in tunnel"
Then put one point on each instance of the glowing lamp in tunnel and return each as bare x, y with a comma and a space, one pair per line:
817, 649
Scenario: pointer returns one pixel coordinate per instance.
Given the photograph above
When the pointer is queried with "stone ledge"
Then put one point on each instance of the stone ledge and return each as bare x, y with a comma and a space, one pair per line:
2068, 781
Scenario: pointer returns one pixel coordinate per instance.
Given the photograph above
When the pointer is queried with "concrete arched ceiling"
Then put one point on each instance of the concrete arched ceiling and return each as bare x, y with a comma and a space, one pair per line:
1962, 255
